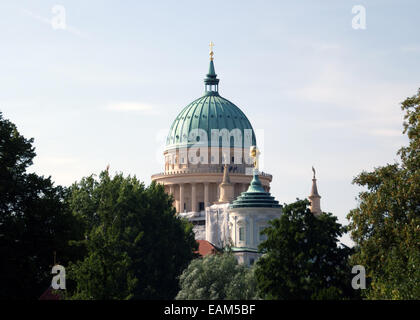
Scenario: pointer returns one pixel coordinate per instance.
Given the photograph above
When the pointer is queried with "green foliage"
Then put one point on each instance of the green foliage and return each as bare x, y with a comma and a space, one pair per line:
33, 220
217, 277
302, 258
386, 224
136, 246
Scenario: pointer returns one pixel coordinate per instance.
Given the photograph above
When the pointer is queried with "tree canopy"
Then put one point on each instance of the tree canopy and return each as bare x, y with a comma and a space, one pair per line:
136, 246
386, 224
302, 257
217, 277
33, 220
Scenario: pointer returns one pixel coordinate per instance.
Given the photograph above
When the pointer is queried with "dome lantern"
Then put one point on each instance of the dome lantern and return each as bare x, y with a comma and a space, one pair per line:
211, 82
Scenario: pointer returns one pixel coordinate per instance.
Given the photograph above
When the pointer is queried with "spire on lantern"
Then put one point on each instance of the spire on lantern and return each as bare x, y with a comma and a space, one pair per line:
211, 82
211, 50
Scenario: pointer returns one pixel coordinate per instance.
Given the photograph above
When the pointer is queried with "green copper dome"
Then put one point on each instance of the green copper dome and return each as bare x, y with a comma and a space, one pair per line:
255, 196
209, 112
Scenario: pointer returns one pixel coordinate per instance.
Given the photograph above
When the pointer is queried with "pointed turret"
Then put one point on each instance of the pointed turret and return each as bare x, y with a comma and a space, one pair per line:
226, 188
314, 197
226, 178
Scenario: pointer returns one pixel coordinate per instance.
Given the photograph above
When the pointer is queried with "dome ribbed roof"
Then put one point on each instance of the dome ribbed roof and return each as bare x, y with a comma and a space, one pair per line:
209, 112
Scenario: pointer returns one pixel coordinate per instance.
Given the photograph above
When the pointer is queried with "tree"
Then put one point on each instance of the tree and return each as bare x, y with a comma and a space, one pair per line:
386, 224
33, 220
136, 246
217, 277
302, 258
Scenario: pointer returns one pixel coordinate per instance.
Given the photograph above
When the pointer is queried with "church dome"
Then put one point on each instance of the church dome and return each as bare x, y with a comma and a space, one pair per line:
209, 112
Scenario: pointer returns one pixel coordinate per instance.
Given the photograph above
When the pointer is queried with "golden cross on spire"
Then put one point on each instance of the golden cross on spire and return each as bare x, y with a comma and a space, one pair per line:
211, 50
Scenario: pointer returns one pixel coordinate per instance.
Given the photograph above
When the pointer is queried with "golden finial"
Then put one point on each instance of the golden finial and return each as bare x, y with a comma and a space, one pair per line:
255, 153
211, 50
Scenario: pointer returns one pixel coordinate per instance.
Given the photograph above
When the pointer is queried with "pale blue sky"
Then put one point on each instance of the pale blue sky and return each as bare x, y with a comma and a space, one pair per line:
103, 90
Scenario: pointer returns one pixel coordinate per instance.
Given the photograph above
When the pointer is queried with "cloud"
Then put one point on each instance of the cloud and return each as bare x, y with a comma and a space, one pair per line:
64, 170
324, 46
371, 99
352, 89
53, 160
127, 106
305, 43
411, 48
378, 126
362, 104
387, 132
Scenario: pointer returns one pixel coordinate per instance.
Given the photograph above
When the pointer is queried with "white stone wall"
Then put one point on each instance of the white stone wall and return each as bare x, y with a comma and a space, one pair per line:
252, 220
217, 225
248, 258
223, 225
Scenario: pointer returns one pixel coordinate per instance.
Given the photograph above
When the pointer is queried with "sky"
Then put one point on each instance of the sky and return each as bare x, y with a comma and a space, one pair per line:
318, 90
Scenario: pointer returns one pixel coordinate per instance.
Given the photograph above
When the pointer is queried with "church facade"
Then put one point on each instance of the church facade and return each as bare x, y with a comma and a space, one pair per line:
213, 177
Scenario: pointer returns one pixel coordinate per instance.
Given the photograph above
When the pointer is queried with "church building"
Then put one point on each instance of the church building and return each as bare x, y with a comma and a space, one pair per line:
214, 178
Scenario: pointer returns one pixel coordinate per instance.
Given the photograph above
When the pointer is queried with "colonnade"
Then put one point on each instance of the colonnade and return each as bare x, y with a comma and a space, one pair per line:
188, 196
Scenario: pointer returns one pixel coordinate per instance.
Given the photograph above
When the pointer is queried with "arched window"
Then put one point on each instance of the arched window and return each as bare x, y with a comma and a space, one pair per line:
242, 233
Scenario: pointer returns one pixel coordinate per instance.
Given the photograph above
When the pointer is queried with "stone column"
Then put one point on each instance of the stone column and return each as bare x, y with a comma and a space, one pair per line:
206, 194
194, 197
172, 192
177, 206
181, 197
